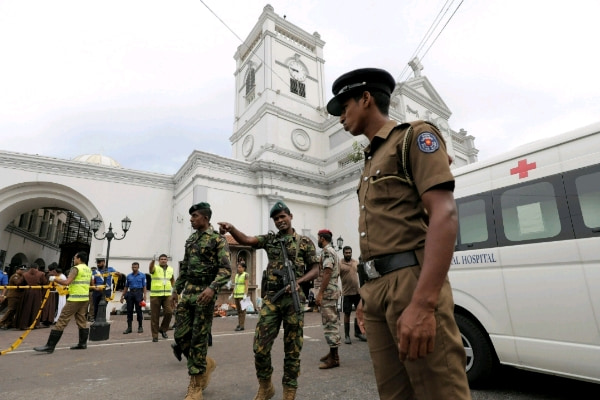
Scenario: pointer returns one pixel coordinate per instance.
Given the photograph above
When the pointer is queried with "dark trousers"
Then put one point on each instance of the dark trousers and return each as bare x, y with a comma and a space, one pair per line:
97, 297
133, 298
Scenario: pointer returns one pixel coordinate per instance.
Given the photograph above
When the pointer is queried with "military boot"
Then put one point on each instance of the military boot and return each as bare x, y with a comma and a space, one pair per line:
347, 332
194, 390
325, 357
128, 330
265, 390
83, 337
333, 360
176, 351
51, 344
205, 377
289, 393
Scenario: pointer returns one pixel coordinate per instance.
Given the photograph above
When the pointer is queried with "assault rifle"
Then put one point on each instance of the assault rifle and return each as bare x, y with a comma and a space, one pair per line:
289, 278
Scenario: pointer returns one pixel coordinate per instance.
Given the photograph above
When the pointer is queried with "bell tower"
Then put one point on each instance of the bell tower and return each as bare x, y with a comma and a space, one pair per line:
279, 92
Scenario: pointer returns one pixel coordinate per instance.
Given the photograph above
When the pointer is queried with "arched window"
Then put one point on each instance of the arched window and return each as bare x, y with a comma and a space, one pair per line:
250, 84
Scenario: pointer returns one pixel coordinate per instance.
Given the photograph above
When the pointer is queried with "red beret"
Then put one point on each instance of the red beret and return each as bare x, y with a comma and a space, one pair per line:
325, 232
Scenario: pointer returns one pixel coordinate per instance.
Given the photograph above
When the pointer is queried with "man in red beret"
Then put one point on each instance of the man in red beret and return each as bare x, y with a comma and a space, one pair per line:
329, 292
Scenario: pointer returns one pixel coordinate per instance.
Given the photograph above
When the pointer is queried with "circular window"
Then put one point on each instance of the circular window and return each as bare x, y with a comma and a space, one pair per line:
247, 145
301, 140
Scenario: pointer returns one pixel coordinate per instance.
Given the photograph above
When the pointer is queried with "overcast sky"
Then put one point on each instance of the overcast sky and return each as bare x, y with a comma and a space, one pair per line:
147, 82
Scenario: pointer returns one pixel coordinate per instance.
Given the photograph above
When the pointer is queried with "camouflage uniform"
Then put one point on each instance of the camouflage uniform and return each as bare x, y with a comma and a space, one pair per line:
205, 264
329, 312
301, 252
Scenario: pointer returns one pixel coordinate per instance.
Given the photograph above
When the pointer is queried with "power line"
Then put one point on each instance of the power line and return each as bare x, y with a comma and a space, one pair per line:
436, 22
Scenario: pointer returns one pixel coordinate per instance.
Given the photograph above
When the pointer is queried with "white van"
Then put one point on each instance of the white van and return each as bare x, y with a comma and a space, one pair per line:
526, 268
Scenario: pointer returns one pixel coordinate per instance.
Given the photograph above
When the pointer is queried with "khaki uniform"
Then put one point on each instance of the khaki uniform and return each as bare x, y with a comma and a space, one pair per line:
392, 220
329, 313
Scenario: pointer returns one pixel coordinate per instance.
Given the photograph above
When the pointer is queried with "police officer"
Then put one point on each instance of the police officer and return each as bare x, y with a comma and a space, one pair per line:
407, 229
329, 292
79, 280
161, 288
204, 270
134, 292
302, 254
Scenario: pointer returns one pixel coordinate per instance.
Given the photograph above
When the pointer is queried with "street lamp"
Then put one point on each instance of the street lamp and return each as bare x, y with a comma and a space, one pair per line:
100, 329
340, 242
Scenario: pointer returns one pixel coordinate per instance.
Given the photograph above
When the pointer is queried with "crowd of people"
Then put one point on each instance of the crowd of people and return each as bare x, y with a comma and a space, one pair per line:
407, 229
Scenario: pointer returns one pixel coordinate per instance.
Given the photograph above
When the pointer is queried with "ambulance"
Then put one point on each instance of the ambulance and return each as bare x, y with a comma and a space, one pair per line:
526, 269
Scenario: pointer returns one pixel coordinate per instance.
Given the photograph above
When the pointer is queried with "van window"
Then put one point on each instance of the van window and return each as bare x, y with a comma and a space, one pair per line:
530, 212
588, 192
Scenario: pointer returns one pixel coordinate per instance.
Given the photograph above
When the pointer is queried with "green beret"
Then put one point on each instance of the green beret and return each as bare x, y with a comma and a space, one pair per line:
199, 206
277, 207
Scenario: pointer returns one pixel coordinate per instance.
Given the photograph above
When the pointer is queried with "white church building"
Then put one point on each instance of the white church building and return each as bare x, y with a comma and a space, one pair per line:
285, 146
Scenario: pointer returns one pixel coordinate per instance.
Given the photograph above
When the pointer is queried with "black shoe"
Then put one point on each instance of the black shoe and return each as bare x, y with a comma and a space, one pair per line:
140, 330
163, 334
239, 328
348, 341
176, 351
126, 331
361, 337
155, 339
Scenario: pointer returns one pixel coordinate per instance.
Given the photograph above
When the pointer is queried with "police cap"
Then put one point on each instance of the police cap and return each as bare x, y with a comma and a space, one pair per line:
199, 206
359, 80
277, 207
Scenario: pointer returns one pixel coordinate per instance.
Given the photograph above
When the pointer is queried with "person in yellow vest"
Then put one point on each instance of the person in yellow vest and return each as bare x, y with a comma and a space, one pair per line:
240, 291
161, 287
79, 280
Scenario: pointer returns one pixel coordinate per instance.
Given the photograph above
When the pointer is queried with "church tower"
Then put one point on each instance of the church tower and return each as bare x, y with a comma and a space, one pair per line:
279, 93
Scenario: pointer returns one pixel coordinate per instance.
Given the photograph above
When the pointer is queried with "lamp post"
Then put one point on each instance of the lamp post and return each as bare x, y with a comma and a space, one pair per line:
100, 329
340, 242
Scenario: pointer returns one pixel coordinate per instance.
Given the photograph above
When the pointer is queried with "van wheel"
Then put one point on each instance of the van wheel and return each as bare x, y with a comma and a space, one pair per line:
481, 358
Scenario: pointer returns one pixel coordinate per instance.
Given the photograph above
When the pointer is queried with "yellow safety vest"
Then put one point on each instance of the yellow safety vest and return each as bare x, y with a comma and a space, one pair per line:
79, 289
161, 281
240, 285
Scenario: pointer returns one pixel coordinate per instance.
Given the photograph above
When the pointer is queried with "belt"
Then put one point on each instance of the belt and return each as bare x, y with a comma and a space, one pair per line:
135, 289
392, 262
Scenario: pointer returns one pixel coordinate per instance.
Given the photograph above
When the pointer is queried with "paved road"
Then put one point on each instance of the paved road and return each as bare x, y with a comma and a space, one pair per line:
132, 367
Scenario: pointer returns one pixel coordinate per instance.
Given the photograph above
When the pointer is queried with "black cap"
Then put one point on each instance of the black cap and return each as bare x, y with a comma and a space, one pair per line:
364, 79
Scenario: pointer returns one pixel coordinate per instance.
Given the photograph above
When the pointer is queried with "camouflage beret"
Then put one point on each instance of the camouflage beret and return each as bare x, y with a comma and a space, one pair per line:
277, 207
199, 206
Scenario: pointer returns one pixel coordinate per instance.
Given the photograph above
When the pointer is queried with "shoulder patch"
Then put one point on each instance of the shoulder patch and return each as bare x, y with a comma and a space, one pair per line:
428, 142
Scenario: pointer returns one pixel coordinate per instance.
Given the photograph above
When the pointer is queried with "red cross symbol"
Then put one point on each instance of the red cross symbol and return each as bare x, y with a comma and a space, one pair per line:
522, 169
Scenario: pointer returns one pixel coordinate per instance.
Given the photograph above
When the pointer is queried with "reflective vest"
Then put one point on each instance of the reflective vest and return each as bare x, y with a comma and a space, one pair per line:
79, 289
240, 285
161, 281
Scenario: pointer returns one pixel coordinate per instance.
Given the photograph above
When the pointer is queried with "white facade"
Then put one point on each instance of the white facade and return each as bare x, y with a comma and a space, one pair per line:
284, 146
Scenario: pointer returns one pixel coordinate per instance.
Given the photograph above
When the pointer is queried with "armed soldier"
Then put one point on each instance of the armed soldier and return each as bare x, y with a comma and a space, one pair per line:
205, 269
301, 252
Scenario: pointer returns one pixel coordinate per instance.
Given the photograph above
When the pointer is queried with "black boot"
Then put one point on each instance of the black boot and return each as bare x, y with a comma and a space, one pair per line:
176, 351
128, 330
357, 333
347, 332
52, 340
83, 337
140, 329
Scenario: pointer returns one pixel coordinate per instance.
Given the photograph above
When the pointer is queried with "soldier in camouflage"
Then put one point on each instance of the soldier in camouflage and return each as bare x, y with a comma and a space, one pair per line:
205, 269
302, 254
327, 298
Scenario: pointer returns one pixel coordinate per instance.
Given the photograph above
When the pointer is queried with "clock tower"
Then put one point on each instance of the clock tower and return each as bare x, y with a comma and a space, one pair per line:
280, 96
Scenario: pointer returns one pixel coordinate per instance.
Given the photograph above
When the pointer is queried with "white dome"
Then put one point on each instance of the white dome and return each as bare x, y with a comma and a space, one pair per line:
97, 159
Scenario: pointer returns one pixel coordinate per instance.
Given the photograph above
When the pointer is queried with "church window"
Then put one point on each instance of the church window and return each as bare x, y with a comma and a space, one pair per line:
297, 87
250, 85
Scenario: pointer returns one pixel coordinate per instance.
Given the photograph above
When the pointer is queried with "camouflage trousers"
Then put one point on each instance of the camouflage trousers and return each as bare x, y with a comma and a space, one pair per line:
267, 328
194, 322
331, 326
